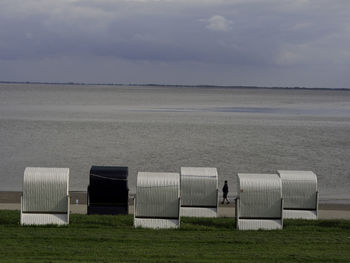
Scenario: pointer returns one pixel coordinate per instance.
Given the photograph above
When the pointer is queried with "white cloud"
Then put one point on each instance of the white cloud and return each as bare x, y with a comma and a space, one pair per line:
219, 23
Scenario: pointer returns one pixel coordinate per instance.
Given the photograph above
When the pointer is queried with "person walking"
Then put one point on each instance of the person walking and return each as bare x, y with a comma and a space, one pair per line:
225, 193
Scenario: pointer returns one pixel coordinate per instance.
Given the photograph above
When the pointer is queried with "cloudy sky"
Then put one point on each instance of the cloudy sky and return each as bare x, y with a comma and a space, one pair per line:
232, 42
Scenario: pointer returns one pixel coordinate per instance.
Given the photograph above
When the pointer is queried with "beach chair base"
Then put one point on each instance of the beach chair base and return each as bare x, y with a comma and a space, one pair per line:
44, 219
256, 224
300, 214
156, 223
199, 212
107, 210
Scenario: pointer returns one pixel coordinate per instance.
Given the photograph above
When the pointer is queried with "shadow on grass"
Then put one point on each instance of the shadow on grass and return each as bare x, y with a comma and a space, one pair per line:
12, 218
8, 217
98, 221
190, 223
340, 224
320, 225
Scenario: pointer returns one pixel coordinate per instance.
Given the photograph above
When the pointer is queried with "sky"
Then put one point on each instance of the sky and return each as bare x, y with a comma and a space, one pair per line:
191, 42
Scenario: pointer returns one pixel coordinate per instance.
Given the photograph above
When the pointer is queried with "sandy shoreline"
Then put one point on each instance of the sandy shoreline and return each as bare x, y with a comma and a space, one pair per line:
12, 200
223, 211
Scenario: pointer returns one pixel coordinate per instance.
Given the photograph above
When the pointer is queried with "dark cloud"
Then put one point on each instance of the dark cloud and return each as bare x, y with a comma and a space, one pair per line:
226, 41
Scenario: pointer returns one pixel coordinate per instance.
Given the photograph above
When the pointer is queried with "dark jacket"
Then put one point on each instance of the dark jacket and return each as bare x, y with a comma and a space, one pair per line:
225, 189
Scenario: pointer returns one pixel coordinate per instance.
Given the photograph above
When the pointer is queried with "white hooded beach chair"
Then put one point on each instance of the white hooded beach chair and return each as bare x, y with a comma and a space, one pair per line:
199, 192
45, 198
300, 194
157, 202
259, 204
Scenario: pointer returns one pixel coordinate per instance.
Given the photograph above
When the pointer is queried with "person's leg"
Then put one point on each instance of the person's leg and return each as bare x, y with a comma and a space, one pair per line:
224, 198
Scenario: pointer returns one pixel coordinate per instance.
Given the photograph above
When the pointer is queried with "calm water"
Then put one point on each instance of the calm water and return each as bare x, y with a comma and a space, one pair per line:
162, 129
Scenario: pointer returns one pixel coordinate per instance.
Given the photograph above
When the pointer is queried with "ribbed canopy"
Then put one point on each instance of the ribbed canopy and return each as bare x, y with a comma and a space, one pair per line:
260, 195
157, 195
199, 186
299, 189
45, 189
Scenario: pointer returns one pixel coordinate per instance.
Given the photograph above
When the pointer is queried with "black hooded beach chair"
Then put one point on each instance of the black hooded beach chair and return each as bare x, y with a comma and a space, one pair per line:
108, 191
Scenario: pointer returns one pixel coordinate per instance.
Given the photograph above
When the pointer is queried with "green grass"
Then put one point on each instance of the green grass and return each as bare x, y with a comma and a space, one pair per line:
113, 239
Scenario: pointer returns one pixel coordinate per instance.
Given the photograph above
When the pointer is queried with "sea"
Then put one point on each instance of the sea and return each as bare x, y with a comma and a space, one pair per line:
163, 128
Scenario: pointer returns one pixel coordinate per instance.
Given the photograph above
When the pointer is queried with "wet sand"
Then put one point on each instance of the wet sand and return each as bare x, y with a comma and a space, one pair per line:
164, 128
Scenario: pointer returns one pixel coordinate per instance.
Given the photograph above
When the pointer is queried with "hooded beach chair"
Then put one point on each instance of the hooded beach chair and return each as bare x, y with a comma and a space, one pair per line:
199, 192
259, 204
45, 198
108, 192
157, 202
300, 194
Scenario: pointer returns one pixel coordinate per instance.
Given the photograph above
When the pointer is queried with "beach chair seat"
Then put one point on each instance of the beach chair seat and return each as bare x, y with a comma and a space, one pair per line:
157, 202
44, 219
259, 204
45, 198
199, 192
108, 192
300, 194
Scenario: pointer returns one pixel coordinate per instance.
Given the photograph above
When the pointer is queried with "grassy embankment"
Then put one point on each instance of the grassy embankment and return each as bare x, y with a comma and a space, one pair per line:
113, 239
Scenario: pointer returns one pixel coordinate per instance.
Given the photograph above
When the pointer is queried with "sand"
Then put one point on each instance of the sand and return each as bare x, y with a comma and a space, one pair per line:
224, 211
12, 200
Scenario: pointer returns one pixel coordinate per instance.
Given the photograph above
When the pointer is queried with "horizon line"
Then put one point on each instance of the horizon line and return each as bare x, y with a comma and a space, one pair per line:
174, 85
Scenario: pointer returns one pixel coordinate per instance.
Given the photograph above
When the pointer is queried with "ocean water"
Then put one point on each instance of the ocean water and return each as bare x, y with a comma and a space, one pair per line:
164, 128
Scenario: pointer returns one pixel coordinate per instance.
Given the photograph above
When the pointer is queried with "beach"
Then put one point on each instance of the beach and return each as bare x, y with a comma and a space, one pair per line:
155, 128
11, 201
